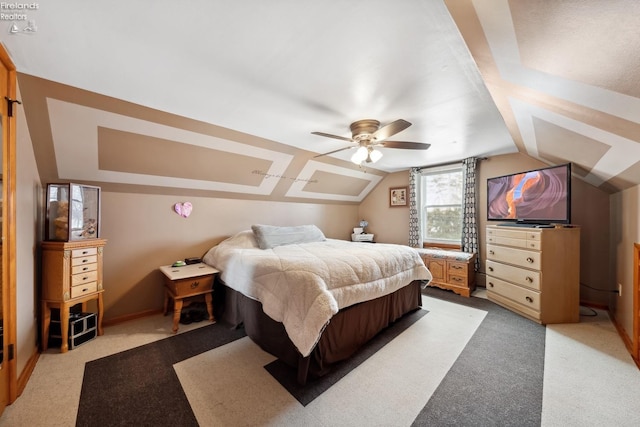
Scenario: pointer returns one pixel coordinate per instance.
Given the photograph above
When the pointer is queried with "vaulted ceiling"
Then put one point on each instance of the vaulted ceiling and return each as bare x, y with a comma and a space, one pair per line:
221, 97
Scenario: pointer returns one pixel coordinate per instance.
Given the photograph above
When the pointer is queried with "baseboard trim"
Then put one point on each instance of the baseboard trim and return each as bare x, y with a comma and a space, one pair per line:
25, 375
117, 320
625, 337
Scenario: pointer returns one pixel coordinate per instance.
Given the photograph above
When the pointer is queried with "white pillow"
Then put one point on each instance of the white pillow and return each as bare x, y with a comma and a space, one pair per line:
270, 236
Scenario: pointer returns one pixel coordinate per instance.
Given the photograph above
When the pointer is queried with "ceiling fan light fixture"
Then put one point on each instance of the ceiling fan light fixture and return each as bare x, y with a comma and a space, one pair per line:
360, 155
375, 155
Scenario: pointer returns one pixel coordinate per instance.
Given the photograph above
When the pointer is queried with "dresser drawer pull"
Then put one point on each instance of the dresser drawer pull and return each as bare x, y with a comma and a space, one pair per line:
85, 269
490, 268
195, 285
529, 299
456, 279
85, 260
491, 284
529, 259
457, 267
85, 252
85, 289
529, 279
491, 252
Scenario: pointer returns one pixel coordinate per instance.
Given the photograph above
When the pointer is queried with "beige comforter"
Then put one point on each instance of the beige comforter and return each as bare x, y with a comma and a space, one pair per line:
304, 285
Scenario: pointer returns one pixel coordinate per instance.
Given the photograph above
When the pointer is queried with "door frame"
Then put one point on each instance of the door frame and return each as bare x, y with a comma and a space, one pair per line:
636, 303
8, 392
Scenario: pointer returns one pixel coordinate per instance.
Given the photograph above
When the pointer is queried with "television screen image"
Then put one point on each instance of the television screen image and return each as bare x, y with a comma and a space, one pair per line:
536, 196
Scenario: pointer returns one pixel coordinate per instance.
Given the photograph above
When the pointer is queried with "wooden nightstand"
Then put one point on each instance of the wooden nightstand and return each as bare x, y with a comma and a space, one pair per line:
185, 282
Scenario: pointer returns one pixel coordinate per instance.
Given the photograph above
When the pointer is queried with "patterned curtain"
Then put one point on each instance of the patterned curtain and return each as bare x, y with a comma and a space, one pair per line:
469, 211
415, 235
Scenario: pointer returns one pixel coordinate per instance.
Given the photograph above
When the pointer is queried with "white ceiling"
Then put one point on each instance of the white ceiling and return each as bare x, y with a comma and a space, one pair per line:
278, 70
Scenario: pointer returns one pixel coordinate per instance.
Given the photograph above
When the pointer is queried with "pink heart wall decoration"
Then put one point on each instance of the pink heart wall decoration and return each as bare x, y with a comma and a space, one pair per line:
183, 209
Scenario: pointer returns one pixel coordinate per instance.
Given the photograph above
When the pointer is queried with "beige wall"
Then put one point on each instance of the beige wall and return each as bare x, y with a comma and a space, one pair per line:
389, 225
625, 231
144, 232
589, 210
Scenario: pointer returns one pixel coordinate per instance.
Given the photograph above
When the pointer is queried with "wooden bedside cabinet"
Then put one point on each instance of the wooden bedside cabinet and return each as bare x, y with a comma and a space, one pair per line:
71, 274
451, 270
185, 282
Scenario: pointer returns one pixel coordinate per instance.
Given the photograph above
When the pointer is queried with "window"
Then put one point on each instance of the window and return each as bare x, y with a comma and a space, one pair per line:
441, 204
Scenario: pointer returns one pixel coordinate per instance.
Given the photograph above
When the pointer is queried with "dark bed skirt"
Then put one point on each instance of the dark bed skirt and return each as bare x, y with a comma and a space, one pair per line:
347, 331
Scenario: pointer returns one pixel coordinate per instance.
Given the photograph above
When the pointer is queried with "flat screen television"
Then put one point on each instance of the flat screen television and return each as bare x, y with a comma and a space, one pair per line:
539, 196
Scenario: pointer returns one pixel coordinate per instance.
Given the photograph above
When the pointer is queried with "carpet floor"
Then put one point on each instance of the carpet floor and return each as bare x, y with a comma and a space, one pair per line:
460, 361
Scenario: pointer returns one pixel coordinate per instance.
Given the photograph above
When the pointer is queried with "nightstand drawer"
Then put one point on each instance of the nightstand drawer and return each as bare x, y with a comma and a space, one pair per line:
78, 279
84, 289
193, 285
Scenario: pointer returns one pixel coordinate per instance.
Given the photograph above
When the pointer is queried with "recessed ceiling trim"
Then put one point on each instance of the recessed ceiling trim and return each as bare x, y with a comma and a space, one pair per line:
71, 123
496, 20
297, 188
622, 155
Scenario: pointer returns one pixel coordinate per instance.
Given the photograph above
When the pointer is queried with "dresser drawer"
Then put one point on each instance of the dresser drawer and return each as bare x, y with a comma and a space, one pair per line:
84, 289
194, 285
521, 257
520, 276
515, 238
505, 232
508, 241
78, 279
79, 253
84, 260
78, 269
526, 297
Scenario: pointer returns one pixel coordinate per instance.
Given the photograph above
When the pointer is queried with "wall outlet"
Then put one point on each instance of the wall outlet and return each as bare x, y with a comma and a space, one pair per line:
619, 289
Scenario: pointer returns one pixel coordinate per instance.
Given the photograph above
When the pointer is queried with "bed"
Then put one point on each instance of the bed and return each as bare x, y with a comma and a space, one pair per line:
312, 301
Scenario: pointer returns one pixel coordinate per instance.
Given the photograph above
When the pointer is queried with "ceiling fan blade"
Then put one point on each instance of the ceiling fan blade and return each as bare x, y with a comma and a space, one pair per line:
405, 145
334, 151
391, 129
328, 135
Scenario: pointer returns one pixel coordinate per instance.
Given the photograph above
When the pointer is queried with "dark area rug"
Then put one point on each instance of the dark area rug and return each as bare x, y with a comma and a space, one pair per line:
139, 387
497, 379
305, 394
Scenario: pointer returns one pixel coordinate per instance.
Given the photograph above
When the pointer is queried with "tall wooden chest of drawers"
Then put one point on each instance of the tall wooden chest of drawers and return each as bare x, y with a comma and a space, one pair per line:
535, 272
71, 274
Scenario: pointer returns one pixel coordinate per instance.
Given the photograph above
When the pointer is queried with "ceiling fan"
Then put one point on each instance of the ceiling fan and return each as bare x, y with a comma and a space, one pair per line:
367, 135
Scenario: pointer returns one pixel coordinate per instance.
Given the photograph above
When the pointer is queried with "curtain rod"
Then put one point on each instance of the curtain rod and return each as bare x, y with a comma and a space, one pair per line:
446, 164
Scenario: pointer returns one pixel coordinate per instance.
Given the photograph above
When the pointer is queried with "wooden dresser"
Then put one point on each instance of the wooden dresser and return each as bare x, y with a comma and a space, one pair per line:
452, 270
71, 274
535, 272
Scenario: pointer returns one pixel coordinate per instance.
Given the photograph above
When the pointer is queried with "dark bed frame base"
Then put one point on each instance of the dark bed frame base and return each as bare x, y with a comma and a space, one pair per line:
347, 331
